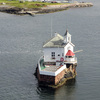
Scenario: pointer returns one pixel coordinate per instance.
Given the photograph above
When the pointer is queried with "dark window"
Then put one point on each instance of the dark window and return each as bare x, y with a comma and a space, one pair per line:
69, 57
58, 54
53, 55
62, 54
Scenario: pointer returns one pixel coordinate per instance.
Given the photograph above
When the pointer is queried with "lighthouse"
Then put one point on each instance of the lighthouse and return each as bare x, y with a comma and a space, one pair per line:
58, 60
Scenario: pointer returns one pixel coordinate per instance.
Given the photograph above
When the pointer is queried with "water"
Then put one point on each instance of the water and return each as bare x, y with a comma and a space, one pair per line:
21, 40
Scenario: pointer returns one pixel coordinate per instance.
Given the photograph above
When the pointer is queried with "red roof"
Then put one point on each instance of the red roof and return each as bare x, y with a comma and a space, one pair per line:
70, 53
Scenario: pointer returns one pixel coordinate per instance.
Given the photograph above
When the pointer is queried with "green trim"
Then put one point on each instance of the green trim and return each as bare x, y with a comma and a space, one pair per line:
41, 64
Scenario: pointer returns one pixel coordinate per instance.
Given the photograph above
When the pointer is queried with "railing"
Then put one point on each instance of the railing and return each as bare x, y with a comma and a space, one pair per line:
49, 72
70, 59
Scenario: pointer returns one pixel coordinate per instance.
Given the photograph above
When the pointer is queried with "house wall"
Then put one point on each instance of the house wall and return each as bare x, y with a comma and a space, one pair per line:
60, 51
47, 54
67, 47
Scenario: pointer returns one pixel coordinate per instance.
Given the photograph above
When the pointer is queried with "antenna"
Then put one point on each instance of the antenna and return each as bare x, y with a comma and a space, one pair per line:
51, 27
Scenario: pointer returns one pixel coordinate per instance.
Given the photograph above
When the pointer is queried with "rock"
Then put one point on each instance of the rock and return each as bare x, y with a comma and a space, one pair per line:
3, 3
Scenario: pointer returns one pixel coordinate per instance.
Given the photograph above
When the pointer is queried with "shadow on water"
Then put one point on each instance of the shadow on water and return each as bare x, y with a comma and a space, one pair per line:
66, 90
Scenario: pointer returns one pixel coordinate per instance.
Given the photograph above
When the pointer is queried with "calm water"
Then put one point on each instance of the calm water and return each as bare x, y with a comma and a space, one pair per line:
21, 39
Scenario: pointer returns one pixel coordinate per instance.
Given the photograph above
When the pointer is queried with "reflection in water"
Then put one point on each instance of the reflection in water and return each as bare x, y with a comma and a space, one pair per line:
66, 91
45, 93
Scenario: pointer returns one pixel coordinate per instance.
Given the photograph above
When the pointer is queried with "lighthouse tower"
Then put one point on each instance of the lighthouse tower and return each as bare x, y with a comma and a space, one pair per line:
69, 49
67, 37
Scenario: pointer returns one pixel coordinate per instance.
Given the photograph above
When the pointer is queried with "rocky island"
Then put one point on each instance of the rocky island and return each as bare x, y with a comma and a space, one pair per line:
58, 63
38, 7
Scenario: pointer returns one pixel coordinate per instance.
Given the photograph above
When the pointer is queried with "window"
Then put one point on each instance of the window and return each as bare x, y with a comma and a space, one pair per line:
62, 54
69, 57
58, 54
53, 55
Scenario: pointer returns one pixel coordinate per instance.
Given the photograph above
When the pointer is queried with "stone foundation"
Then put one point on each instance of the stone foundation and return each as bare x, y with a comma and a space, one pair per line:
54, 80
59, 77
68, 73
45, 79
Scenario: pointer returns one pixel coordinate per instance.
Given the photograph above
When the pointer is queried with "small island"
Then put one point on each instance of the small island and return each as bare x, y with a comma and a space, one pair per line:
37, 7
58, 63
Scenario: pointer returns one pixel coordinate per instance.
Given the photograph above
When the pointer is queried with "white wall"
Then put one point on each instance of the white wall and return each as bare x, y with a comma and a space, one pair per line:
68, 47
47, 54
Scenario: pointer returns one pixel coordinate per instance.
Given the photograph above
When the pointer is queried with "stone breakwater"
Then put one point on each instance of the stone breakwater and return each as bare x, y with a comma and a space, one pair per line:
48, 9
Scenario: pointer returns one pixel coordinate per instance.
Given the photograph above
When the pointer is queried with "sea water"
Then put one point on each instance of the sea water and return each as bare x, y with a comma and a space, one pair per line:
21, 40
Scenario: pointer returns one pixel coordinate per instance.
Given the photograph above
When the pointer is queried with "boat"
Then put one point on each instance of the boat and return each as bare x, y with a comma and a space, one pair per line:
58, 63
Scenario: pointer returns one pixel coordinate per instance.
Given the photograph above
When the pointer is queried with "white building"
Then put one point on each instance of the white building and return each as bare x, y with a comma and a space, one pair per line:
59, 49
59, 61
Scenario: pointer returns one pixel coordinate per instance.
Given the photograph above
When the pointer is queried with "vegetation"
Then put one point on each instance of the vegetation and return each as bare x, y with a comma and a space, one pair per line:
26, 4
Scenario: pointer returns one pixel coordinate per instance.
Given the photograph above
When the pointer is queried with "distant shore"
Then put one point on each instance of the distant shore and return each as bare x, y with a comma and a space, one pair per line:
47, 9
54, 8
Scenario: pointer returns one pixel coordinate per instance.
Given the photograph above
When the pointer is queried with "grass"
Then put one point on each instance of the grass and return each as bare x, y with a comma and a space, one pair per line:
26, 4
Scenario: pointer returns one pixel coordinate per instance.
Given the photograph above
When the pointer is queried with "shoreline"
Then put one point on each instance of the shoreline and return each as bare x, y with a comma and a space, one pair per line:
43, 10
